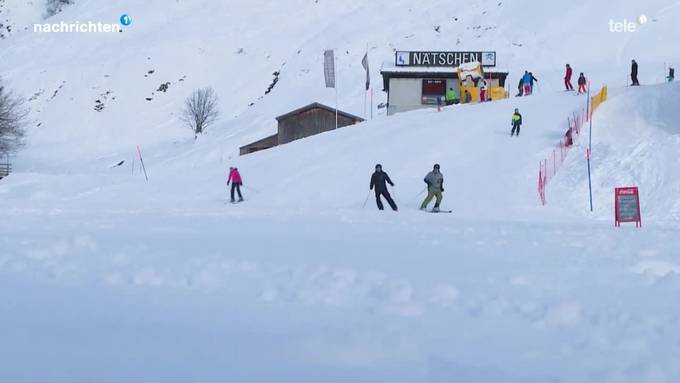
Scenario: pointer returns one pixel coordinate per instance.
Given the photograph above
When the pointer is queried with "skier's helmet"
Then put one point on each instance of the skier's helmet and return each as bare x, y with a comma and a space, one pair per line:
378, 167
516, 110
436, 166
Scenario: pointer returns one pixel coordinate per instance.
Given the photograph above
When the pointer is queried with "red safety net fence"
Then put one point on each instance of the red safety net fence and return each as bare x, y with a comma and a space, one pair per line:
549, 166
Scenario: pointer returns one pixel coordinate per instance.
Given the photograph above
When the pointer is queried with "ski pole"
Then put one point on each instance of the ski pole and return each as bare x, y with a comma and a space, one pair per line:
421, 192
366, 200
251, 188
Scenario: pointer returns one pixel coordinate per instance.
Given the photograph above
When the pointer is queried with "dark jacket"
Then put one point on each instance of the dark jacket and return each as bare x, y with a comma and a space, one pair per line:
378, 179
582, 80
532, 79
634, 69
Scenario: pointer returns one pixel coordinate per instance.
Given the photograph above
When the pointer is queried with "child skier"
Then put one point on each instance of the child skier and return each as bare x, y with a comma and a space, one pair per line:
516, 122
435, 187
582, 83
236, 183
379, 179
567, 79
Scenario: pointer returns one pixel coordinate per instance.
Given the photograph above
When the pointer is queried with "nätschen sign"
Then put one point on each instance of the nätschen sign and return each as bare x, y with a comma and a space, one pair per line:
444, 59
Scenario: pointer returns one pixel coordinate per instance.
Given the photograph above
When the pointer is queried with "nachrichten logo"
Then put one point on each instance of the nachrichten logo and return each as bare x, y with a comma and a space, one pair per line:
84, 27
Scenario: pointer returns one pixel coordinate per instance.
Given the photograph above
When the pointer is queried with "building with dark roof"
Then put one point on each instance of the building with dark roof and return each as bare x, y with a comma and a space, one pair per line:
300, 123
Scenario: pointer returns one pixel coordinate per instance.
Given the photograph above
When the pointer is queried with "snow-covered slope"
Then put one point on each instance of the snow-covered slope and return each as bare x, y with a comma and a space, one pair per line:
235, 47
107, 277
636, 141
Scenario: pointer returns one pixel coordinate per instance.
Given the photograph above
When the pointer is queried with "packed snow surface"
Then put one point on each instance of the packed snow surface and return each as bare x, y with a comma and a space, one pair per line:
107, 277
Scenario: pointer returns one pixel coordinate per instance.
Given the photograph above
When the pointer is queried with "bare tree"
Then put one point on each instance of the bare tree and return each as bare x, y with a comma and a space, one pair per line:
200, 110
13, 115
55, 6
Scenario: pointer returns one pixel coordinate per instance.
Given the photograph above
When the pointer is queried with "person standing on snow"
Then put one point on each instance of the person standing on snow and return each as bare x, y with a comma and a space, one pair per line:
520, 87
482, 89
582, 82
468, 97
671, 74
526, 83
236, 183
435, 187
567, 79
532, 79
379, 180
516, 122
451, 97
634, 73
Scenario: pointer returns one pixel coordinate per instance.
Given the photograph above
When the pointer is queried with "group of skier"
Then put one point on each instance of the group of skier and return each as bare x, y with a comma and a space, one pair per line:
451, 97
526, 84
582, 81
433, 179
379, 181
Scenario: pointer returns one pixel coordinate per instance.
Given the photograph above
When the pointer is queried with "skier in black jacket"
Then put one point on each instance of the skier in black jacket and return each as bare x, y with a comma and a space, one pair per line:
379, 180
634, 73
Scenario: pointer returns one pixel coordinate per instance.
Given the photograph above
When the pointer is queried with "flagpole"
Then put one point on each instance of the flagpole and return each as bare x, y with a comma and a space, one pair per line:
336, 89
365, 101
366, 90
371, 102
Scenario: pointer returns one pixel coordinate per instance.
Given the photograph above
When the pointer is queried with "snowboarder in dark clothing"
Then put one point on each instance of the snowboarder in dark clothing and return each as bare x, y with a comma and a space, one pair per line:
671, 74
634, 73
520, 87
516, 122
582, 82
532, 79
379, 180
567, 79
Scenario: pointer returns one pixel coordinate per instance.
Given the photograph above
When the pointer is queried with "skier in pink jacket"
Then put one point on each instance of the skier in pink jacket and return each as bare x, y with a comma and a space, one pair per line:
236, 182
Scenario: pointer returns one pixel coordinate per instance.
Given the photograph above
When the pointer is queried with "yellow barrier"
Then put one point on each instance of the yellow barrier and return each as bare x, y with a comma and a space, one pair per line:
598, 99
498, 93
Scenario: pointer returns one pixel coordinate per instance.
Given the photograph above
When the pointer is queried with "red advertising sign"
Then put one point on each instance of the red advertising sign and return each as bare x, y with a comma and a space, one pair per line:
627, 206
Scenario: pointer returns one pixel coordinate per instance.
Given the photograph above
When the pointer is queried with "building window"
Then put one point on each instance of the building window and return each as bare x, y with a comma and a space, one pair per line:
433, 90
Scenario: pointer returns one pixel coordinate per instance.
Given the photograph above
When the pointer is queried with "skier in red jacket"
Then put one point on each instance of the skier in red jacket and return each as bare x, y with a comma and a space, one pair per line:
236, 182
567, 79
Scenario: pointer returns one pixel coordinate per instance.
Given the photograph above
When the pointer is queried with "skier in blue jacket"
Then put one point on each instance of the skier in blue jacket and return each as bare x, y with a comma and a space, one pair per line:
526, 82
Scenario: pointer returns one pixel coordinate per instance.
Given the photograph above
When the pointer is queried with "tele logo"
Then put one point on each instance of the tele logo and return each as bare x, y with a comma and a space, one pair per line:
627, 25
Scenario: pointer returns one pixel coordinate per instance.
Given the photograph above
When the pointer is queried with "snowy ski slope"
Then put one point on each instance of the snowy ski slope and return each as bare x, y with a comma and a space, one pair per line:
105, 277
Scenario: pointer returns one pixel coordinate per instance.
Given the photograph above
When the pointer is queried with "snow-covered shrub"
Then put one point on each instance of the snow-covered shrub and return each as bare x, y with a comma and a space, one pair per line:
13, 115
200, 110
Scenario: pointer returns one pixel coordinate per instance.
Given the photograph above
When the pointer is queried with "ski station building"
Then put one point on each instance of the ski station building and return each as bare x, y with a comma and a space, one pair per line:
417, 80
307, 121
